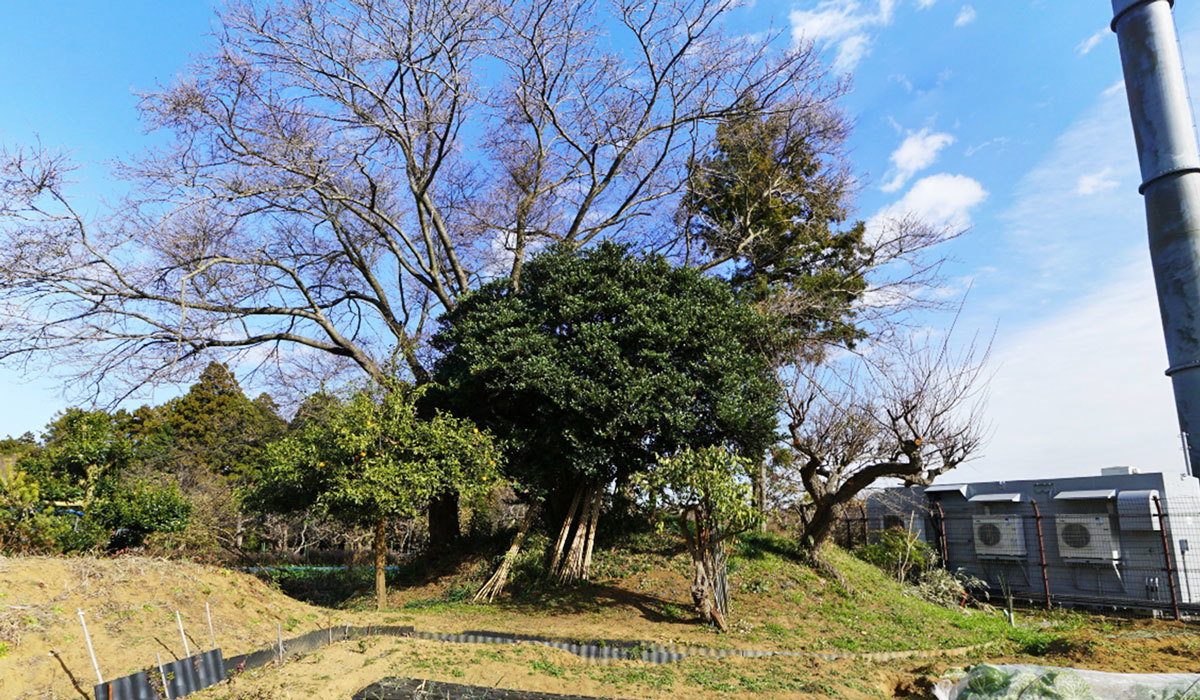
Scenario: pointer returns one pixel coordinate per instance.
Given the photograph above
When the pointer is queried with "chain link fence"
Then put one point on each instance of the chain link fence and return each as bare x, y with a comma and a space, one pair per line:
1087, 553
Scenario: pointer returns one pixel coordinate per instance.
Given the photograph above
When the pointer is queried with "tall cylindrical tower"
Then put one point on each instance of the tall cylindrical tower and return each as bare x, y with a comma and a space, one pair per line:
1170, 165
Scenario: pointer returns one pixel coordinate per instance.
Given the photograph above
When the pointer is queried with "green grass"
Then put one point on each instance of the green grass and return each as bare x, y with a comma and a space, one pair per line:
779, 600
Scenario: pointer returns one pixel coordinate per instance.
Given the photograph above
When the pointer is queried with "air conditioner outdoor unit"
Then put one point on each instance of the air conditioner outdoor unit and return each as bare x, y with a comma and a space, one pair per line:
1086, 538
998, 536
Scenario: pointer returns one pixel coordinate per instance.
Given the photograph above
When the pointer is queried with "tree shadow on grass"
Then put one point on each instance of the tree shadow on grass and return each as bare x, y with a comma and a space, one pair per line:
597, 598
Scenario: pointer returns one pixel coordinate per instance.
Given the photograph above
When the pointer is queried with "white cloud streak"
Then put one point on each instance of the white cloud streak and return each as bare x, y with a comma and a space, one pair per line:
965, 16
844, 25
1093, 183
1085, 47
918, 151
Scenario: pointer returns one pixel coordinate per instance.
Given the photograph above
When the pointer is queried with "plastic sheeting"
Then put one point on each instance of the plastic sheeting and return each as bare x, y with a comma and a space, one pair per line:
1013, 681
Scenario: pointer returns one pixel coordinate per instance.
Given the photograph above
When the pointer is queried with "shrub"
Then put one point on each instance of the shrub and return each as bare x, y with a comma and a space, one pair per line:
948, 588
899, 552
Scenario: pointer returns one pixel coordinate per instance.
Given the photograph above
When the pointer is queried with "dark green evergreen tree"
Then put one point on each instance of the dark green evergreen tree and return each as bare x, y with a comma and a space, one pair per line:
769, 206
599, 364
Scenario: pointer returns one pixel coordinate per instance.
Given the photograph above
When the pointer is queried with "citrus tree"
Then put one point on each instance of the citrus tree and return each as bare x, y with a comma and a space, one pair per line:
371, 458
707, 491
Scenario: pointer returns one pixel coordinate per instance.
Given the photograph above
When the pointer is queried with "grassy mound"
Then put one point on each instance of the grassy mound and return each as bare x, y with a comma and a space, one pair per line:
639, 590
130, 605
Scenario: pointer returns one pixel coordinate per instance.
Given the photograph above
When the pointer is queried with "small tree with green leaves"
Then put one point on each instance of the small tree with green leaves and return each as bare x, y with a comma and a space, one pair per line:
706, 489
371, 458
77, 490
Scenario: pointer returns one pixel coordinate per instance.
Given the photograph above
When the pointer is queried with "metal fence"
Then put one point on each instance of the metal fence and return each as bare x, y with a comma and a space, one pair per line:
1080, 554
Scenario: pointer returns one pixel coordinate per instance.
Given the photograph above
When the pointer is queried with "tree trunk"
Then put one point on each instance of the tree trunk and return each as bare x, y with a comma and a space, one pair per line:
760, 494
488, 591
703, 570
820, 526
443, 521
380, 563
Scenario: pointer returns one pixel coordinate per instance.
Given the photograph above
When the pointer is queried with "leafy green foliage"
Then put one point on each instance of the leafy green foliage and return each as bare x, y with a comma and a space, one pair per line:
710, 481
76, 492
769, 200
898, 552
136, 507
23, 528
214, 427
373, 457
80, 449
602, 361
707, 486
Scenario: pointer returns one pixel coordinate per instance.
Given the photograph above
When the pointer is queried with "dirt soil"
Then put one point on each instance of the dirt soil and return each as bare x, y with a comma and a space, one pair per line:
344, 668
129, 604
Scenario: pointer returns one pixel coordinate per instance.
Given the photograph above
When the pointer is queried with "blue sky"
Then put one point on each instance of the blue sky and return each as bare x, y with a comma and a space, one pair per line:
1005, 117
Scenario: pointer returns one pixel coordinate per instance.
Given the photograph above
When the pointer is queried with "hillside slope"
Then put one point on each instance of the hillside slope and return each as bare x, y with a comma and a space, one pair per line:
130, 605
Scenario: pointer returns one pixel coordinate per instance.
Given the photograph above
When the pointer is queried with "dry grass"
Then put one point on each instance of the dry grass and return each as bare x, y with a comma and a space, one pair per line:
129, 604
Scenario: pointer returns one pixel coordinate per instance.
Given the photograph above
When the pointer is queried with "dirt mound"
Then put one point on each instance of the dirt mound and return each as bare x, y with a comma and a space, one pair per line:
130, 605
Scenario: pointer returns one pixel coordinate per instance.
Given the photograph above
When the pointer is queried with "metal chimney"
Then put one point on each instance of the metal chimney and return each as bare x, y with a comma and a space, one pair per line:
1170, 164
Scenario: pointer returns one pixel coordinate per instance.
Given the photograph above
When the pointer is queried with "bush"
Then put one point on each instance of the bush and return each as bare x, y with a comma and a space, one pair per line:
898, 552
132, 509
947, 588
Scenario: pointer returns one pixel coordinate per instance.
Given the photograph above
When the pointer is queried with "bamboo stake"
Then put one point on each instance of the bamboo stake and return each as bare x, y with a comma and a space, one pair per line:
88, 638
211, 637
162, 672
186, 650
566, 529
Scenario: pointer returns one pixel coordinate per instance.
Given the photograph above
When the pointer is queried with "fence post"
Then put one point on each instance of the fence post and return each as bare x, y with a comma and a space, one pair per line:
942, 527
849, 536
1162, 529
863, 511
1037, 518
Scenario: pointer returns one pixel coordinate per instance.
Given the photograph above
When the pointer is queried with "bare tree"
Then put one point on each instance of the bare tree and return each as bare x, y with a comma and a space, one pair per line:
910, 412
338, 171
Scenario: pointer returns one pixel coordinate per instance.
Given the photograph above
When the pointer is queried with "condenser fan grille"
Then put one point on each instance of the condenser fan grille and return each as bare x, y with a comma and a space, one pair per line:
988, 535
1076, 535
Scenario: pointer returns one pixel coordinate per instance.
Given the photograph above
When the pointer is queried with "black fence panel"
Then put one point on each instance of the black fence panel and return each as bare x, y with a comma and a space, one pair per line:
132, 687
183, 677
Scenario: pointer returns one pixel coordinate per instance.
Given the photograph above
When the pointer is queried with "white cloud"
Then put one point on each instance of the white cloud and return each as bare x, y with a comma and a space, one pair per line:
942, 200
850, 52
844, 24
1085, 47
965, 16
1062, 240
925, 4
998, 141
918, 151
1084, 388
1115, 88
1092, 183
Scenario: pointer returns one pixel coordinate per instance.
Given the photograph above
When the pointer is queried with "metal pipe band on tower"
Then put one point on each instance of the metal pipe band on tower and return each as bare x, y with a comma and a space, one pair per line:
1170, 168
